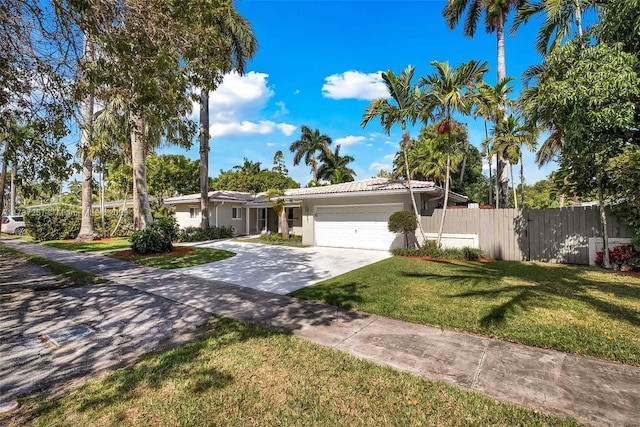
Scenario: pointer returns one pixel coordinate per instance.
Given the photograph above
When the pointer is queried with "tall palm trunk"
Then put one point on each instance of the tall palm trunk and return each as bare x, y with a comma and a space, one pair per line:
446, 200
314, 168
284, 224
87, 231
521, 181
489, 159
142, 217
3, 174
464, 161
501, 171
405, 145
12, 190
606, 261
513, 187
204, 158
578, 17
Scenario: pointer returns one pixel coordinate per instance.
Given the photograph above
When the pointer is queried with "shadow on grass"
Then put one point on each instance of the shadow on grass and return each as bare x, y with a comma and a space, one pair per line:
346, 295
541, 285
177, 258
186, 366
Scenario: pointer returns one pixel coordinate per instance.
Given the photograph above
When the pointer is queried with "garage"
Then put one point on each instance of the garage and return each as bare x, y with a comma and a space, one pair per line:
356, 226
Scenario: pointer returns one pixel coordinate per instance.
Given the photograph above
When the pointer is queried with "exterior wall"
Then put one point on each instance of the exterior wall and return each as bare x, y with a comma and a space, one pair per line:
182, 215
224, 217
309, 209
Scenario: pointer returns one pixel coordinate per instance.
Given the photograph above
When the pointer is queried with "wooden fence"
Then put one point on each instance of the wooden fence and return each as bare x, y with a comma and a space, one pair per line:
555, 235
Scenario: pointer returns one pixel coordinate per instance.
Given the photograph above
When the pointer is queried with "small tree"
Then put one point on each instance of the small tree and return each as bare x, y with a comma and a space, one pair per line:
279, 207
403, 222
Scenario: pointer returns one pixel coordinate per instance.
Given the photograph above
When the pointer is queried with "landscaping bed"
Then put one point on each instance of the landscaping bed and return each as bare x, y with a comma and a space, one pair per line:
179, 257
239, 374
579, 310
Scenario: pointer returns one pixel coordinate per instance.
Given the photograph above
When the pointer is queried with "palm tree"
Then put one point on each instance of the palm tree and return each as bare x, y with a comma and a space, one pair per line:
308, 146
408, 109
447, 91
334, 167
495, 14
509, 138
249, 166
279, 206
559, 18
491, 104
237, 44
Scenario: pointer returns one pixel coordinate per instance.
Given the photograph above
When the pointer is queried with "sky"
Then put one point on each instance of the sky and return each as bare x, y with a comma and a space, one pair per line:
319, 63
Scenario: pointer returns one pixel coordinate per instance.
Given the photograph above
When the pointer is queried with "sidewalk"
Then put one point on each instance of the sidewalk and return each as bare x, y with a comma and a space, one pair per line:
590, 390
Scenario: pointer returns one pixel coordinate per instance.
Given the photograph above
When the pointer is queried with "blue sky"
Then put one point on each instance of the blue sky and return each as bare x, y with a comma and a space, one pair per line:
318, 64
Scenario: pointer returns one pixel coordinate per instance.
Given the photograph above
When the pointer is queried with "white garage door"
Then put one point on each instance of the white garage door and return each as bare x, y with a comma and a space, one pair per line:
360, 227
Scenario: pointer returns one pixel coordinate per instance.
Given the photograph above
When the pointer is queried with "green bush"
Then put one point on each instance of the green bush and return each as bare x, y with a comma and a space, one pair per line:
430, 249
197, 234
51, 224
404, 222
111, 220
277, 238
155, 239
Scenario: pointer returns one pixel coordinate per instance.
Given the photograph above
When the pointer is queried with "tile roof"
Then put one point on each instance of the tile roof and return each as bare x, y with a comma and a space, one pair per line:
373, 184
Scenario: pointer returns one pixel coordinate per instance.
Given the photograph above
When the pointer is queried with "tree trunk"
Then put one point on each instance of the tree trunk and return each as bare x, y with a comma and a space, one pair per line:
204, 158
104, 228
606, 262
12, 190
141, 206
521, 181
464, 162
284, 224
314, 168
579, 18
405, 143
513, 187
87, 231
3, 174
446, 200
489, 158
501, 170
497, 183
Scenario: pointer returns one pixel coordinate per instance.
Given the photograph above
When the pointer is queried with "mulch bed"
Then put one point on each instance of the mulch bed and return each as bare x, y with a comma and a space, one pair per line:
430, 258
177, 251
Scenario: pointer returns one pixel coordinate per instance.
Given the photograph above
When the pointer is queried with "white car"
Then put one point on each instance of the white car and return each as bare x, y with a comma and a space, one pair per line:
13, 225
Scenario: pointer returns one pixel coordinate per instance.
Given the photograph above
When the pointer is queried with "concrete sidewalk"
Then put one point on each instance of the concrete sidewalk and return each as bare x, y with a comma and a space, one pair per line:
592, 391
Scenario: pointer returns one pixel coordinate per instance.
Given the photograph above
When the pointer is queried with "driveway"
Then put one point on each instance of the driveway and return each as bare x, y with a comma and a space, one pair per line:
281, 269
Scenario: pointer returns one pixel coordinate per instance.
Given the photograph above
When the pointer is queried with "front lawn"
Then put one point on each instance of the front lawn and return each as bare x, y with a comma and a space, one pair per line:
181, 256
571, 309
243, 375
96, 245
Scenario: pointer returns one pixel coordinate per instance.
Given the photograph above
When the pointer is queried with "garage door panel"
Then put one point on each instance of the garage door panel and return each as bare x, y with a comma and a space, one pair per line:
361, 227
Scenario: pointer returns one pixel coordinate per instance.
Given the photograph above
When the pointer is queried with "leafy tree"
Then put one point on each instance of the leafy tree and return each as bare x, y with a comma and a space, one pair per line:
404, 222
624, 177
308, 146
170, 175
451, 90
251, 182
249, 166
279, 164
408, 108
592, 91
335, 168
541, 195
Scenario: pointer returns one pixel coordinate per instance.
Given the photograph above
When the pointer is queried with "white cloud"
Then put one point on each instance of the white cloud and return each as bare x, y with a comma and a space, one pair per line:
390, 157
377, 166
297, 91
354, 85
274, 144
282, 109
349, 140
391, 143
263, 127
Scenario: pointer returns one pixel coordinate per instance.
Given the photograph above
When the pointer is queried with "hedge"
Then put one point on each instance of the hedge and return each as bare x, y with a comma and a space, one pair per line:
51, 224
430, 249
197, 234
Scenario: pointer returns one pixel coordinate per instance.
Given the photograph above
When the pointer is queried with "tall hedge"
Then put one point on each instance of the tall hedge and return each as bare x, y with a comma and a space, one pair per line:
50, 224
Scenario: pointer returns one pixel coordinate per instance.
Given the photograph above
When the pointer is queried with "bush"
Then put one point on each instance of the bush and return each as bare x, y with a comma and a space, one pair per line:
627, 256
403, 222
277, 238
51, 224
197, 234
430, 249
111, 220
155, 239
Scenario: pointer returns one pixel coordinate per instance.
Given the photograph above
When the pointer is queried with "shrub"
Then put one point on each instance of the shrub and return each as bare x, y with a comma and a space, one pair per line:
430, 249
403, 222
114, 226
627, 255
197, 234
51, 224
276, 237
155, 239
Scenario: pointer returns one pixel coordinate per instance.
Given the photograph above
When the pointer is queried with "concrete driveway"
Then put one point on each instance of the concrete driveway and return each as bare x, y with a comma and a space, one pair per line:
280, 269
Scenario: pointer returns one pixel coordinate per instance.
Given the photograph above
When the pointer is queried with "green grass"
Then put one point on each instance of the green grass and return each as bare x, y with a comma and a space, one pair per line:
176, 259
73, 276
242, 375
571, 309
96, 245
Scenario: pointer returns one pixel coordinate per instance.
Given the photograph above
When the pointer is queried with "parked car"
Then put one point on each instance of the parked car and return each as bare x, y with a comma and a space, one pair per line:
13, 225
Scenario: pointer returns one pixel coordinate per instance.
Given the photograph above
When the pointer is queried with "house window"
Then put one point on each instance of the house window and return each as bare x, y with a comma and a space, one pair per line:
236, 213
194, 213
290, 218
